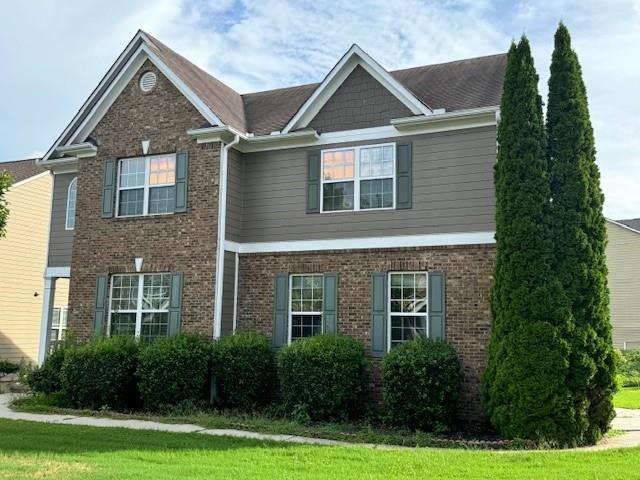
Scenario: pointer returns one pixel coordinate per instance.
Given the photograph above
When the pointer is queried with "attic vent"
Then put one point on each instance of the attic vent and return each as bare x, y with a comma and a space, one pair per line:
147, 81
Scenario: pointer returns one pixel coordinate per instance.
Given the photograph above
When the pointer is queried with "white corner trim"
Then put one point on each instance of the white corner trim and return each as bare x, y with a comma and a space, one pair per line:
57, 272
402, 241
626, 227
27, 180
338, 74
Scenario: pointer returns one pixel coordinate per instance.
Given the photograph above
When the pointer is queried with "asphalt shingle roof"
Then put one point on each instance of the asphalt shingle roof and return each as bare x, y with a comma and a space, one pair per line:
21, 169
631, 222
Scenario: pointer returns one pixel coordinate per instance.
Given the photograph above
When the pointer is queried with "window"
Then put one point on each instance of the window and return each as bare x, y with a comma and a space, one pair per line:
305, 307
146, 185
58, 326
72, 193
407, 306
358, 178
139, 306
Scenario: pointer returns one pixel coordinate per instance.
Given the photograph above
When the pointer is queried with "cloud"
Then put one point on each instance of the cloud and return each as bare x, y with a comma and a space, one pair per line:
51, 67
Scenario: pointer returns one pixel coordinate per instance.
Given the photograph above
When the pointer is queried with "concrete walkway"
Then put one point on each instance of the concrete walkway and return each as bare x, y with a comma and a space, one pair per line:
626, 420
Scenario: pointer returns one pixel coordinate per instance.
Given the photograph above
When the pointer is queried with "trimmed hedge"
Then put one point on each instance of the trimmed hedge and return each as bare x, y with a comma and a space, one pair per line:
422, 381
47, 377
174, 371
323, 377
101, 374
629, 367
244, 367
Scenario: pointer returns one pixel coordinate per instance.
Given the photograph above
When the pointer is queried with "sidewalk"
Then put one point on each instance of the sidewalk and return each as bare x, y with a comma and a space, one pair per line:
626, 420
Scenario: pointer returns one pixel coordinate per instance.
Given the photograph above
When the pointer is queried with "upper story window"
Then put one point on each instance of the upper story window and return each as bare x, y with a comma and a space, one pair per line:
72, 194
358, 178
306, 306
408, 316
146, 185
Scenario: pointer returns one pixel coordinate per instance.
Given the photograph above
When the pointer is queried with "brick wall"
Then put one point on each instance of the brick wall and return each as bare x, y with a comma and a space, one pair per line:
468, 275
181, 242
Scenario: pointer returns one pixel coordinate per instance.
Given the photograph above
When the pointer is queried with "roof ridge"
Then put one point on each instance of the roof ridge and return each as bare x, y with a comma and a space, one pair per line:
504, 54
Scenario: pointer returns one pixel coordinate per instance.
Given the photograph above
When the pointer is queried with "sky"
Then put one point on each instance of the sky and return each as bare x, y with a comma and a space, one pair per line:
53, 54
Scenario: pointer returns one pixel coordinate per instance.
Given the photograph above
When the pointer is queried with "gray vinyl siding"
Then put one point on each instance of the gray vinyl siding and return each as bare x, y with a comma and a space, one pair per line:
452, 192
60, 240
234, 195
227, 293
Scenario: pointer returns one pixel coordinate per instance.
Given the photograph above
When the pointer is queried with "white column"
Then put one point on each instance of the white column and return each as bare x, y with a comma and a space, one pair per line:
48, 298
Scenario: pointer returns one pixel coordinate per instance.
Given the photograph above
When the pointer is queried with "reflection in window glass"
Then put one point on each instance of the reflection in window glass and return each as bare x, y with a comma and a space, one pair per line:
307, 293
408, 306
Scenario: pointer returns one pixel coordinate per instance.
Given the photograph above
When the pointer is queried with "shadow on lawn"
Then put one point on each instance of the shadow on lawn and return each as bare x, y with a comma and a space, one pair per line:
32, 437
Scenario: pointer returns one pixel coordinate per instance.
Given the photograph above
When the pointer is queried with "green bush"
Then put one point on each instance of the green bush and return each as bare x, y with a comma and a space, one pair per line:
7, 367
422, 381
323, 377
101, 374
46, 378
629, 367
244, 366
174, 370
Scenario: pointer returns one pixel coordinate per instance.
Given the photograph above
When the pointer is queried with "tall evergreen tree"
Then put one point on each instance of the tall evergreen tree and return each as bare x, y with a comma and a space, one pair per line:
525, 390
580, 237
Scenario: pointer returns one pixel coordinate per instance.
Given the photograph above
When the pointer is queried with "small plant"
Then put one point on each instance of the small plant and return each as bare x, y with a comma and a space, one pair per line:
244, 367
174, 370
46, 378
629, 367
323, 378
7, 368
422, 380
101, 374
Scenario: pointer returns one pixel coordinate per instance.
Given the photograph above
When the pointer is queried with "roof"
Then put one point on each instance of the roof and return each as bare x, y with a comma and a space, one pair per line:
631, 223
22, 169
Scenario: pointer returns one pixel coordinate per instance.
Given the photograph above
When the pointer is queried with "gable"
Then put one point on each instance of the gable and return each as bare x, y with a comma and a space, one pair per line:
360, 102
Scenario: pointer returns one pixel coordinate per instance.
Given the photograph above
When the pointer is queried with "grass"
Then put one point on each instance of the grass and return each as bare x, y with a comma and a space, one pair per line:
627, 398
53, 451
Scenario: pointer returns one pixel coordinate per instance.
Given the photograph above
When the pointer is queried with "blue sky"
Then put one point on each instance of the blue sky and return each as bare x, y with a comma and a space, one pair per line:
54, 53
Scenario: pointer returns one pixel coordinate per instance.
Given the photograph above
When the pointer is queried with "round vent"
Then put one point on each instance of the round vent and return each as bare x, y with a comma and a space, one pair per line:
147, 81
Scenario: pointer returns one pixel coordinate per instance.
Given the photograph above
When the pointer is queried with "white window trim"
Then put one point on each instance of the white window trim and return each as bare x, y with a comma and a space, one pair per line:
356, 178
290, 315
405, 314
146, 187
73, 183
63, 315
139, 310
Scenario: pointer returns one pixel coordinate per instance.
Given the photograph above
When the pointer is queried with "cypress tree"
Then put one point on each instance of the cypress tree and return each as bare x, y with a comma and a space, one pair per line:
525, 392
580, 237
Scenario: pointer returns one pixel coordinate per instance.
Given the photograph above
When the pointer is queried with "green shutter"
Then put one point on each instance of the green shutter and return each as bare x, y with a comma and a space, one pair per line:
175, 303
109, 188
436, 305
101, 310
330, 303
280, 310
182, 176
378, 314
403, 175
313, 181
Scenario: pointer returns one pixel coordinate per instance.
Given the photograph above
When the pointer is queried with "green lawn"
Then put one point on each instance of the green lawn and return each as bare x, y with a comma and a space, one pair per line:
627, 398
36, 450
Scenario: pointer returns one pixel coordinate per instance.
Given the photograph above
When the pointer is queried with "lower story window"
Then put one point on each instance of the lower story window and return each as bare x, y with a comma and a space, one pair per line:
140, 306
305, 307
407, 306
58, 326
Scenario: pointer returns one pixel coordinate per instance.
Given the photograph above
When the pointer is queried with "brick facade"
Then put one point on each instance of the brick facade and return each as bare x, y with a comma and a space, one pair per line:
180, 242
468, 276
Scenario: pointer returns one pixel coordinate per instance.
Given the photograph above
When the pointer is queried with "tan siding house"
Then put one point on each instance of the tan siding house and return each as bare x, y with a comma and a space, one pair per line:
23, 254
623, 261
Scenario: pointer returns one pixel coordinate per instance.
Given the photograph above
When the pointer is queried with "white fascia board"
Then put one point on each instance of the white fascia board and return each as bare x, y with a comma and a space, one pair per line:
215, 134
622, 225
62, 165
79, 150
27, 180
405, 241
338, 74
488, 113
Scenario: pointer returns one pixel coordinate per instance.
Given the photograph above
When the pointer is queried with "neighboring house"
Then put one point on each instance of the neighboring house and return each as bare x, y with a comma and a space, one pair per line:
623, 262
363, 204
23, 253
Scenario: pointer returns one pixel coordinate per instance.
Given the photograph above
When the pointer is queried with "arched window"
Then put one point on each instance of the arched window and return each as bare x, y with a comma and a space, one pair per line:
71, 204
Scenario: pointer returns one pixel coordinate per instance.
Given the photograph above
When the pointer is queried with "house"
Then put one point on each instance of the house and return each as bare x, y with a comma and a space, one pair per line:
362, 204
23, 253
623, 262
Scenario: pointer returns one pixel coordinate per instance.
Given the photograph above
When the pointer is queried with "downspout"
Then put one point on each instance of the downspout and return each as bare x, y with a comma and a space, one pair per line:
222, 230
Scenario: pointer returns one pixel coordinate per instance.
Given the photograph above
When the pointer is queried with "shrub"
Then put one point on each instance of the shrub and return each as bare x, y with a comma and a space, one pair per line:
46, 378
323, 377
174, 370
244, 366
629, 368
422, 380
7, 367
101, 374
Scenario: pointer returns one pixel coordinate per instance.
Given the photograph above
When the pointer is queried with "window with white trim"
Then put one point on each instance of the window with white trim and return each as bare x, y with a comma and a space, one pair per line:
408, 316
139, 306
146, 185
72, 194
358, 178
58, 326
305, 305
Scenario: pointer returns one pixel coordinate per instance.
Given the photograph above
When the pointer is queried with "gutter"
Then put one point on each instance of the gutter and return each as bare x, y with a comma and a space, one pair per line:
222, 231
